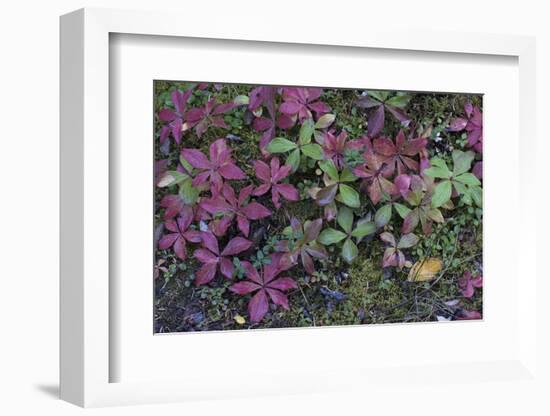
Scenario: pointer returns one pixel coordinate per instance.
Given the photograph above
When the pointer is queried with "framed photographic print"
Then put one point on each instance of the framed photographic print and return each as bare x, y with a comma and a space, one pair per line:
292, 208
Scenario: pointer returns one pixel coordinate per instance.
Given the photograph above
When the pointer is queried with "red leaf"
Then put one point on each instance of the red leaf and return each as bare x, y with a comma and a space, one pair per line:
243, 224
289, 192
458, 124
219, 152
290, 108
245, 287
166, 115
262, 171
167, 240
196, 158
262, 124
210, 242
179, 248
319, 107
262, 189
205, 256
283, 283
215, 205
402, 184
226, 267
279, 174
235, 246
206, 273
278, 298
258, 306
255, 211
307, 262
376, 122
312, 230
245, 193
231, 171
193, 236
251, 272
384, 146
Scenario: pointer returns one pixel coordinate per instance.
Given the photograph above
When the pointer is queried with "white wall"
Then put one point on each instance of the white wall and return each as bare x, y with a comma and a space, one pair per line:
29, 181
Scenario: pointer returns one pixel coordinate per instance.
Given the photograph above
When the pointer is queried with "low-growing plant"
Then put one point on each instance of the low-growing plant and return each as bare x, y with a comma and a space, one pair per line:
345, 220
266, 285
380, 101
213, 260
302, 244
394, 256
271, 177
458, 180
336, 186
303, 147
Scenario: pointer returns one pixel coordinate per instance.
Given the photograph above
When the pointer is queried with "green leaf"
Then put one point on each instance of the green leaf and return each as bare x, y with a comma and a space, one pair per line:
364, 229
460, 187
477, 195
402, 210
347, 176
462, 161
379, 95
436, 172
280, 145
331, 236
383, 215
306, 131
407, 241
435, 215
293, 160
172, 177
329, 168
349, 251
241, 100
399, 101
438, 162
468, 179
442, 193
188, 167
325, 121
189, 193
313, 151
345, 219
349, 196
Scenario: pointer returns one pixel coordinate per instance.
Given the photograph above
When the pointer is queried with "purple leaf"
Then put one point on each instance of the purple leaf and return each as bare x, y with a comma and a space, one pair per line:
196, 158
245, 287
167, 241
205, 256
231, 171
210, 241
236, 245
283, 283
326, 195
458, 124
257, 307
255, 211
376, 122
278, 298
288, 191
226, 267
290, 108
205, 274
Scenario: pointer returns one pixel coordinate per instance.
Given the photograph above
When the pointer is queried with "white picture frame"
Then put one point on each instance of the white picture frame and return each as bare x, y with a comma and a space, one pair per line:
86, 353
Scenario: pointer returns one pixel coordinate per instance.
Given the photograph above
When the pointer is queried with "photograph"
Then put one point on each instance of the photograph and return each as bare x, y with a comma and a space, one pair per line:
299, 206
